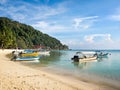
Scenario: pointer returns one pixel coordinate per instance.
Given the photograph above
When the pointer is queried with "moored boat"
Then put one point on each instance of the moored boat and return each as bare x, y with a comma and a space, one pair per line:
29, 54
42, 52
45, 53
80, 57
101, 54
27, 58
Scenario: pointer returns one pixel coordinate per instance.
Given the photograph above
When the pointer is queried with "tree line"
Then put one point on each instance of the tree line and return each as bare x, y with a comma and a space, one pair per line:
15, 34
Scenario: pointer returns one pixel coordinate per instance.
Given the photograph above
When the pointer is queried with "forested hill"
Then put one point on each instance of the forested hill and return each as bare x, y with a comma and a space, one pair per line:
14, 34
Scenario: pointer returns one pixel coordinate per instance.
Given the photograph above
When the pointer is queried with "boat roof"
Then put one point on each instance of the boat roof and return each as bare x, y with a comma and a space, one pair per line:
85, 52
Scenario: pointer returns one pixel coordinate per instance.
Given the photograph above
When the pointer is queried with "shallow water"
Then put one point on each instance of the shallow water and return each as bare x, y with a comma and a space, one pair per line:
105, 70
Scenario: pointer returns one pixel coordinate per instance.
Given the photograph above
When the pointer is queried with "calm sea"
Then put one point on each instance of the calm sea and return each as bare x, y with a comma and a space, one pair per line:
105, 70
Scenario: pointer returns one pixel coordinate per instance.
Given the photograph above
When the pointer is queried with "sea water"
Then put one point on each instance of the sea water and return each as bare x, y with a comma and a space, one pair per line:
102, 70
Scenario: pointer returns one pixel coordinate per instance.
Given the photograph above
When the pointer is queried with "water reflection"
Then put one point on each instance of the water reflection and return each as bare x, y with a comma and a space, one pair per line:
80, 65
61, 63
63, 59
83, 64
102, 59
87, 64
53, 58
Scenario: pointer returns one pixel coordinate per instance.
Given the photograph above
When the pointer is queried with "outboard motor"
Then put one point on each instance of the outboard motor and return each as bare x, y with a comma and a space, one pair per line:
76, 58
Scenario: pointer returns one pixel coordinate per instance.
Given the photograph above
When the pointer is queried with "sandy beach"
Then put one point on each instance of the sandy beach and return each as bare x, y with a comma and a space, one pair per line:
14, 76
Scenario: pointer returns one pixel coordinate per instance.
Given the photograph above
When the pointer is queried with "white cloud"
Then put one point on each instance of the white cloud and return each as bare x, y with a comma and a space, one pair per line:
80, 44
73, 43
27, 12
47, 11
115, 17
16, 13
41, 24
104, 37
49, 27
85, 22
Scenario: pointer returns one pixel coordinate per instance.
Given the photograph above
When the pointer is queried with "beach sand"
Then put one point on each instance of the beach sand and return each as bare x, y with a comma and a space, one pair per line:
14, 76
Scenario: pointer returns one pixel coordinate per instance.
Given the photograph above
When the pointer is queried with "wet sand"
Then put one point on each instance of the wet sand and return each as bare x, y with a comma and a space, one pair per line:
14, 76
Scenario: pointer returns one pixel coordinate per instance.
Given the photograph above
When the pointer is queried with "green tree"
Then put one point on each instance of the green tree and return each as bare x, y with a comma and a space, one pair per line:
14, 34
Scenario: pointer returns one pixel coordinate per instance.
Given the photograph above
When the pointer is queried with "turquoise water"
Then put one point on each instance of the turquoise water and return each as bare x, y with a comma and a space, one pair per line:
103, 69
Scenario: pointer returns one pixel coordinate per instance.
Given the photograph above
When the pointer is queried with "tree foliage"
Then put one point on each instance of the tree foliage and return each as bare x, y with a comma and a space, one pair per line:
14, 34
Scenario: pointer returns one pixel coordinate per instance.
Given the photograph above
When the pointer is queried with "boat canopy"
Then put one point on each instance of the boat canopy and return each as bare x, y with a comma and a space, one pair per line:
86, 52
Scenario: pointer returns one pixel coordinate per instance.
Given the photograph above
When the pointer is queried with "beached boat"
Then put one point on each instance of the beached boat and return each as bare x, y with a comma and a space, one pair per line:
29, 54
42, 52
80, 57
27, 58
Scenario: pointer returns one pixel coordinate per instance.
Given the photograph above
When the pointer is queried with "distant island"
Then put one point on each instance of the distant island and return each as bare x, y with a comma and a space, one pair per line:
14, 34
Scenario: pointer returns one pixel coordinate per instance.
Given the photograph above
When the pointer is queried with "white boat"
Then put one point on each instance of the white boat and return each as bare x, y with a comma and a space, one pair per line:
43, 52
80, 57
87, 59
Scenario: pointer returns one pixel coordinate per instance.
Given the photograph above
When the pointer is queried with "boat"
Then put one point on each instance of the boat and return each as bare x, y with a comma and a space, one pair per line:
80, 57
29, 54
44, 52
101, 54
27, 58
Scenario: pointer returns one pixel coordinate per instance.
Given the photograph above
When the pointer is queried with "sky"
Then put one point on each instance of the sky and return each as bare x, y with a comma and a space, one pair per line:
80, 24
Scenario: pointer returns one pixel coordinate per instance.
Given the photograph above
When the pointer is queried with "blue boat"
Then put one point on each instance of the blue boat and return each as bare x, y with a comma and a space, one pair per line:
27, 58
101, 54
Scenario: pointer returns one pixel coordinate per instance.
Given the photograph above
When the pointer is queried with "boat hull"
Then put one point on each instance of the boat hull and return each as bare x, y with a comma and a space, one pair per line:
30, 54
27, 58
77, 59
87, 59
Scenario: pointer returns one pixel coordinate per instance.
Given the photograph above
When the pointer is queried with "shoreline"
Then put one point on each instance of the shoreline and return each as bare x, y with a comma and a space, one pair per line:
16, 76
103, 83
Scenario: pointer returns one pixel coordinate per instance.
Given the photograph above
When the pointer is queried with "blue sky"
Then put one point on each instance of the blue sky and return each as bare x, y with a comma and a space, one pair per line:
80, 24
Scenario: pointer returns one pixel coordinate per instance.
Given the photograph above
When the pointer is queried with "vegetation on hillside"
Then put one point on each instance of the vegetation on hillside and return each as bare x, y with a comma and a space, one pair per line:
14, 34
